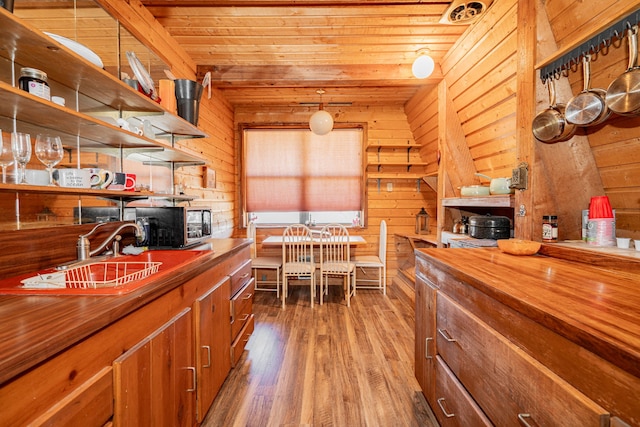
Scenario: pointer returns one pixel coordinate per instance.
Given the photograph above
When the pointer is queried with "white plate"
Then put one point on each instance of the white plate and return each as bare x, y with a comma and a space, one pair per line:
141, 73
78, 48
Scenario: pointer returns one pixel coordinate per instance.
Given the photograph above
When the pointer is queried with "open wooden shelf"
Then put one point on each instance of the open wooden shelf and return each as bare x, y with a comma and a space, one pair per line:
107, 194
497, 201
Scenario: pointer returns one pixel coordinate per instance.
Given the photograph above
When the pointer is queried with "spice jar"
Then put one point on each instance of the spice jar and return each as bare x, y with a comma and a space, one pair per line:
34, 81
550, 228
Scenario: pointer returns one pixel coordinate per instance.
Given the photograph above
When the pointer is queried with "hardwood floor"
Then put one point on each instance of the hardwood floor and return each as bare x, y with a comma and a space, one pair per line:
327, 366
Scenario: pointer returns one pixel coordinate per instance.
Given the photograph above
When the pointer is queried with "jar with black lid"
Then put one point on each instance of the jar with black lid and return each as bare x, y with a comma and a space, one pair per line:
550, 228
35, 82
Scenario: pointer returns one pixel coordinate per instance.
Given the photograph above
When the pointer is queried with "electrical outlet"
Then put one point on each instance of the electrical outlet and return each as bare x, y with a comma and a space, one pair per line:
519, 177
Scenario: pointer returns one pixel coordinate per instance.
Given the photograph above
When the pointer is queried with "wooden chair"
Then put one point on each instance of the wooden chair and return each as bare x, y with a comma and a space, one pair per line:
335, 260
259, 263
297, 258
372, 261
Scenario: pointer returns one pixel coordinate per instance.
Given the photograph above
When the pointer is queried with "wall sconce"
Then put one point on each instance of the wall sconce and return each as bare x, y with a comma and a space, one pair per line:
321, 122
423, 65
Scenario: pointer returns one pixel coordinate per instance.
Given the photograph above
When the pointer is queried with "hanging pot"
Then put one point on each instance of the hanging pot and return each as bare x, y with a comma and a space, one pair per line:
589, 107
622, 95
550, 125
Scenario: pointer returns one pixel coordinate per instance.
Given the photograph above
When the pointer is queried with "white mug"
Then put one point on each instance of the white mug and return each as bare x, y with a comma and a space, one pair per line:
72, 178
37, 177
100, 178
122, 181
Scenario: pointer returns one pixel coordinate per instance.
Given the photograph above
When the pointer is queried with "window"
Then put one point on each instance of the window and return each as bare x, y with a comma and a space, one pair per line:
294, 176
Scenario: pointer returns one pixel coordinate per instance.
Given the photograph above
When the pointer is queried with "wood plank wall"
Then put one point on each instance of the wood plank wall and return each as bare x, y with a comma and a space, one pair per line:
398, 207
480, 79
615, 144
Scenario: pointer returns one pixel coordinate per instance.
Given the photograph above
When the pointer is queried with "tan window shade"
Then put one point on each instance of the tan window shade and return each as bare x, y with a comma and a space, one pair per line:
296, 170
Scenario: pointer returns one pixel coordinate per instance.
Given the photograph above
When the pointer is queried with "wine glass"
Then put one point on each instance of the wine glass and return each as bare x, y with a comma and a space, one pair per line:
49, 151
21, 147
6, 156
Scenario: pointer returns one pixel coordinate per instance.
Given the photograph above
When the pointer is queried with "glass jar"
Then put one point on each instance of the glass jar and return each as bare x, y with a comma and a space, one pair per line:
34, 81
549, 228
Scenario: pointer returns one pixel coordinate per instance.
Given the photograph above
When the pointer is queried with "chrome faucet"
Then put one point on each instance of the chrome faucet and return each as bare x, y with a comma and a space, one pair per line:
84, 246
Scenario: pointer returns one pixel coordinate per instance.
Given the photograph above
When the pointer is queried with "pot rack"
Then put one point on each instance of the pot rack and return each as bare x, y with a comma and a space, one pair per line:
595, 44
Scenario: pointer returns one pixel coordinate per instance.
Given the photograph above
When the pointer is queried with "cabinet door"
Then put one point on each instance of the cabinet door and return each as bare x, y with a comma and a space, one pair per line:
213, 343
154, 381
425, 336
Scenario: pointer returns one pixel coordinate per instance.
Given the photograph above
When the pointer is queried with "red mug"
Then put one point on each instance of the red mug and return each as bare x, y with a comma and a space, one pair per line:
130, 183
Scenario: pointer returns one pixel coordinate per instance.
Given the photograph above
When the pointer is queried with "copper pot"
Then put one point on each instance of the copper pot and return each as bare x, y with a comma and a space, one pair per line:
589, 107
622, 94
550, 125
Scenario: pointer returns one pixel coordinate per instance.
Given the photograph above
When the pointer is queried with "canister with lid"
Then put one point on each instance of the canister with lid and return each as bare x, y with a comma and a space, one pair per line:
35, 82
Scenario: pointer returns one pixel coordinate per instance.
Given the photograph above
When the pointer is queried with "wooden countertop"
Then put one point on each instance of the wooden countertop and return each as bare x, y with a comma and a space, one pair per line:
34, 328
595, 307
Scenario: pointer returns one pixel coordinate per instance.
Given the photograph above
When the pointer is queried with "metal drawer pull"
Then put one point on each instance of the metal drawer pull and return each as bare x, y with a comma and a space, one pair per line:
208, 365
247, 297
193, 376
444, 411
523, 421
426, 348
245, 275
446, 335
245, 317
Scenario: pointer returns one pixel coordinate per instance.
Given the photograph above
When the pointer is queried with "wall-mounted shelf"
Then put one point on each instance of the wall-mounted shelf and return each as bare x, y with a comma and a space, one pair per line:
392, 175
24, 44
497, 201
379, 147
125, 196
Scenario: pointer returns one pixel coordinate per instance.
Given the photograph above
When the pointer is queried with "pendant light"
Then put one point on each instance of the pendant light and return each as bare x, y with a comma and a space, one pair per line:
321, 122
423, 65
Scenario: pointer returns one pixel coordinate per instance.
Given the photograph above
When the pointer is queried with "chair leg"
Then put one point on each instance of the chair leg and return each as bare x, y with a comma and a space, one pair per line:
312, 287
284, 289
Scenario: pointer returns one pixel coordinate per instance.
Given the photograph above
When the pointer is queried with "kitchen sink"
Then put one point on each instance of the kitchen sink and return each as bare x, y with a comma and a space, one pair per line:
105, 276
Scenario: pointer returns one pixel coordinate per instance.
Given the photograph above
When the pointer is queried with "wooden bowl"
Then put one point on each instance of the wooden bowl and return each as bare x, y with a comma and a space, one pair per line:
519, 246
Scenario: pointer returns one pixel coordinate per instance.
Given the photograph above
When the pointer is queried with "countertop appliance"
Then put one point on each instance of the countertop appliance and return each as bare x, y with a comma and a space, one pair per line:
164, 227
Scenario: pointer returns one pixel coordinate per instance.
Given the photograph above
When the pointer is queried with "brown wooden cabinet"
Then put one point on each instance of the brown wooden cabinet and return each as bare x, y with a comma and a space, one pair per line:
155, 381
241, 310
213, 341
493, 364
425, 334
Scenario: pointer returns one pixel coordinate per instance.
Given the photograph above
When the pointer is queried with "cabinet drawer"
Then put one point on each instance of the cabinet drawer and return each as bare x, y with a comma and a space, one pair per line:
91, 404
240, 277
503, 379
241, 309
454, 406
241, 341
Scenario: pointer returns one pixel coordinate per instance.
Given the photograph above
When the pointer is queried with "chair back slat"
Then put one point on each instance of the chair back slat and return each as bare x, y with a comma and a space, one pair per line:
334, 248
297, 249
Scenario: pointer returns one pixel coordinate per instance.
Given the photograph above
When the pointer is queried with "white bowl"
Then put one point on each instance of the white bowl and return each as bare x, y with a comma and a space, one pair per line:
474, 190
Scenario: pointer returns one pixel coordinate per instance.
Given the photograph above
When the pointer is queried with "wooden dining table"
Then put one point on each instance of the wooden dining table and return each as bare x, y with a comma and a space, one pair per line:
273, 241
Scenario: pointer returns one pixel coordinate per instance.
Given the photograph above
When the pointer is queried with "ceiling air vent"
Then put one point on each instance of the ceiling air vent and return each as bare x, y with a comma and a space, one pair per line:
464, 12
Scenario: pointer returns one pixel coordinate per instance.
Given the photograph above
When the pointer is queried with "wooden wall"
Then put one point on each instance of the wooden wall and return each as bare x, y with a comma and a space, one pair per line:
475, 105
489, 111
614, 146
384, 125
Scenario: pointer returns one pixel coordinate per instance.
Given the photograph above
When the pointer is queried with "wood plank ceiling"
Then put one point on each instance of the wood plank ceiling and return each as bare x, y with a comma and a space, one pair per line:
280, 52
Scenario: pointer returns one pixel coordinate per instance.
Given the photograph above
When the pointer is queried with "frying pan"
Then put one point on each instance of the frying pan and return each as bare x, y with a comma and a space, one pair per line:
588, 108
550, 125
622, 95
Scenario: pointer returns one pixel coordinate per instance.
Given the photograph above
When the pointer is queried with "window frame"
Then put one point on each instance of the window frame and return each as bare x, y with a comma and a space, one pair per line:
300, 126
